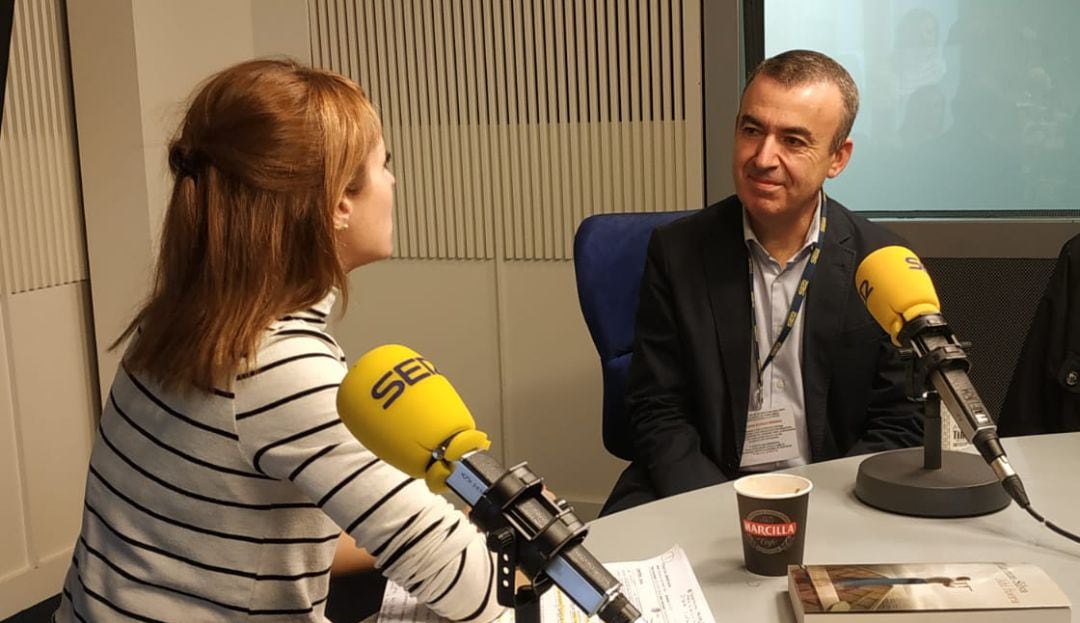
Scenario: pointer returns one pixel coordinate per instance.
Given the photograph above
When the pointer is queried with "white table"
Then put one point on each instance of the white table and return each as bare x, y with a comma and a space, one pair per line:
841, 529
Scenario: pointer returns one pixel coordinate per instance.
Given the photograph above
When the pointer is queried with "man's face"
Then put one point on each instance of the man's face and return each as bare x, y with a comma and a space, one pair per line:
783, 147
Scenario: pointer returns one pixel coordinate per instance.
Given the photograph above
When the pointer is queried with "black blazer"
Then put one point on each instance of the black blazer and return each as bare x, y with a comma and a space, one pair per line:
689, 380
1044, 395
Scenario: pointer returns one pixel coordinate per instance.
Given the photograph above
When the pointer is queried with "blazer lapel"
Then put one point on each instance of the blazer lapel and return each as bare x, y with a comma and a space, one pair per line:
826, 301
728, 287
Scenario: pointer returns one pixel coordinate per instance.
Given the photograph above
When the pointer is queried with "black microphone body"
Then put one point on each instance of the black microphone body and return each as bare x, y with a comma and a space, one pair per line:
944, 364
552, 533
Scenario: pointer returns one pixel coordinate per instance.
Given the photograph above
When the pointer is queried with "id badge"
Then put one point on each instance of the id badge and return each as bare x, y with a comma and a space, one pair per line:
770, 437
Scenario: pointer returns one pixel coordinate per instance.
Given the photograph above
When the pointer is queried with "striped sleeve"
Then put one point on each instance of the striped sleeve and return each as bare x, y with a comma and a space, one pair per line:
288, 428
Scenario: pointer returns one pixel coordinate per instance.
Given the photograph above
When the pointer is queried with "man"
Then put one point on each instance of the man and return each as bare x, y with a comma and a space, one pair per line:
721, 383
1044, 395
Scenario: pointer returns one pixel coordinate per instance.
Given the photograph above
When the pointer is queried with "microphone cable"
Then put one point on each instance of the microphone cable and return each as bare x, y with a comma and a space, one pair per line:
1015, 488
1049, 524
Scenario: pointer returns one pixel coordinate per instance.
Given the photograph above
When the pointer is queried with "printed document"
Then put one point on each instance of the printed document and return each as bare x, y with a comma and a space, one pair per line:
663, 588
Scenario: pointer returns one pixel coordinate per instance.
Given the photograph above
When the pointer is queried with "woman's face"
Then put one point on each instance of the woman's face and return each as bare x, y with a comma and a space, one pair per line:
369, 214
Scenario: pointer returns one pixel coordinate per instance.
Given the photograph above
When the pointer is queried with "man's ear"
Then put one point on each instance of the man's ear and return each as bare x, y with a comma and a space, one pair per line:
841, 157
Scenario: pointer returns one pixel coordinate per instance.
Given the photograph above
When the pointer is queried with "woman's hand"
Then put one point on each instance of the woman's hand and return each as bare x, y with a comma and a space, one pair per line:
350, 558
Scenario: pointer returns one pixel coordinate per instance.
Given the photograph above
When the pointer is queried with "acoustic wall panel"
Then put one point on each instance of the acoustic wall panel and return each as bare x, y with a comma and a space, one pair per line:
42, 240
512, 120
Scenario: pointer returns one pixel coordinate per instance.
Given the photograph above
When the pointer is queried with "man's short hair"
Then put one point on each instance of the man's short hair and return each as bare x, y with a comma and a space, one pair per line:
799, 67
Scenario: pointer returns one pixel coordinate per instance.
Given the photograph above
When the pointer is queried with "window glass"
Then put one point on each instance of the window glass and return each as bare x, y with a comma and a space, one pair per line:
967, 105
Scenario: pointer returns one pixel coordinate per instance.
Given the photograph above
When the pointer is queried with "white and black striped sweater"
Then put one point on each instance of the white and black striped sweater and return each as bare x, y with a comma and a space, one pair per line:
227, 506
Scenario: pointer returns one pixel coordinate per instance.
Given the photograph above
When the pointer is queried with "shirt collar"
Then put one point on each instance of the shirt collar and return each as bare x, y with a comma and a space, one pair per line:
812, 233
318, 314
326, 305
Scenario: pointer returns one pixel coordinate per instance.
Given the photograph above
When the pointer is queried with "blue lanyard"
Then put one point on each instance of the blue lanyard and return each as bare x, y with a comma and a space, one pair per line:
793, 309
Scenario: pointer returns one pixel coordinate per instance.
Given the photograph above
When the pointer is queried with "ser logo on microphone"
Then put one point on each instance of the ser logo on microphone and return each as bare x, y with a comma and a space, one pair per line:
865, 289
405, 374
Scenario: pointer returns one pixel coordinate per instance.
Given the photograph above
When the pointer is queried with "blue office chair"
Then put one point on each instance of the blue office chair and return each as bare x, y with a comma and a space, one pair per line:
609, 259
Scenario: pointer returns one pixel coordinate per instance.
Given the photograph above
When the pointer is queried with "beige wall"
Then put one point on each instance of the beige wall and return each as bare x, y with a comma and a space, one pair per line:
47, 403
510, 337
48, 393
552, 402
134, 63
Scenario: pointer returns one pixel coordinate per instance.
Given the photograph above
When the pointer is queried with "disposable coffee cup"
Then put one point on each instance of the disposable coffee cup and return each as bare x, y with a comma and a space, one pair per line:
772, 519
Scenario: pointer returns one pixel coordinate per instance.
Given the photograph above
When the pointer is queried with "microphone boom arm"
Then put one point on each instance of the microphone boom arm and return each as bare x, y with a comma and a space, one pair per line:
548, 535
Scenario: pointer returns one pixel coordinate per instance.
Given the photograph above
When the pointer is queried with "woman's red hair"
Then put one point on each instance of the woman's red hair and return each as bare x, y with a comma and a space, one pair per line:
265, 152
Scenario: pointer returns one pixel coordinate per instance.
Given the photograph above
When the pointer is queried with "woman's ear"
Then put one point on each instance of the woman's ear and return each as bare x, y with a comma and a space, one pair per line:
343, 212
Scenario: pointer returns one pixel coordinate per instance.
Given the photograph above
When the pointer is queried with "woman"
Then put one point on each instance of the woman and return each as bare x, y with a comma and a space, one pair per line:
221, 476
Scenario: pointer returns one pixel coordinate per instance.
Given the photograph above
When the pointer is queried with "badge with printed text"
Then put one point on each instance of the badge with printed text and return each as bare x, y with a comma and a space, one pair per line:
770, 437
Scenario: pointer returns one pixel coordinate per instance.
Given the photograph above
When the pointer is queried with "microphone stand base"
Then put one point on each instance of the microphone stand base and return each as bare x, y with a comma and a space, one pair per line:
898, 482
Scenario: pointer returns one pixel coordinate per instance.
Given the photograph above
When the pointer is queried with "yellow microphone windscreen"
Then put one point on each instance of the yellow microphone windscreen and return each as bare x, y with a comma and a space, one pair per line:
398, 405
896, 288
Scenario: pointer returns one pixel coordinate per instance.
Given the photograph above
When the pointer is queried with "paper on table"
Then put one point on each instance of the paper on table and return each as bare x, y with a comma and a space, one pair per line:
664, 588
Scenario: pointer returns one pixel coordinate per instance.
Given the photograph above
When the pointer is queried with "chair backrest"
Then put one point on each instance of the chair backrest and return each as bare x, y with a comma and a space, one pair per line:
609, 259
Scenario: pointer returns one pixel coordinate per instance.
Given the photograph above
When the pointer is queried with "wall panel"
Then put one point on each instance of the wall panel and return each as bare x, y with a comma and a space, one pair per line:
515, 119
48, 397
55, 401
41, 228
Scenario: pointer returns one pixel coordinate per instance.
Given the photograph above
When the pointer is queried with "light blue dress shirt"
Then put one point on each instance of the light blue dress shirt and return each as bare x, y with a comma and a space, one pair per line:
782, 383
